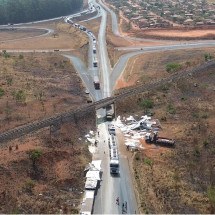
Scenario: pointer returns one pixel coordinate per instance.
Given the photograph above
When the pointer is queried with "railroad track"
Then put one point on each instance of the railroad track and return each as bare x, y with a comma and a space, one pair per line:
70, 115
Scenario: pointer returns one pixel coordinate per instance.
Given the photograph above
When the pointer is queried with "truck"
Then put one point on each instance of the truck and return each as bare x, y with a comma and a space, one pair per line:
111, 129
95, 62
94, 49
163, 141
96, 83
114, 166
110, 112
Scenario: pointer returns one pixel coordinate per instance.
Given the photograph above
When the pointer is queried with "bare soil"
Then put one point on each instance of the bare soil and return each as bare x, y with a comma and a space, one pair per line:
15, 34
180, 33
176, 180
64, 37
48, 84
55, 183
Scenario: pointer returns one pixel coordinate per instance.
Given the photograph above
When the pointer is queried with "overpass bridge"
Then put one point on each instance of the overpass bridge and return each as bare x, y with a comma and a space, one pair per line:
57, 120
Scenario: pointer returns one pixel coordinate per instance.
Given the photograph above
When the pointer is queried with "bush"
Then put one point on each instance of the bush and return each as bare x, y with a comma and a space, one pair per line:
5, 54
208, 56
29, 185
146, 104
211, 195
173, 67
20, 96
1, 92
149, 162
21, 56
171, 109
9, 80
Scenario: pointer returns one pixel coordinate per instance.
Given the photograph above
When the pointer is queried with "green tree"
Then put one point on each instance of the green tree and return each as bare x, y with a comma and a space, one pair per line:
34, 156
146, 104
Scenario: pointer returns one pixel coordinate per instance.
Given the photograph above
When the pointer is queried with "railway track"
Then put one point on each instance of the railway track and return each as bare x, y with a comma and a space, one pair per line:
70, 115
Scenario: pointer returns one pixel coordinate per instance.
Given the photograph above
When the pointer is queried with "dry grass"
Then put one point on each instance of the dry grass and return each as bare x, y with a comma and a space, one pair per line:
66, 37
57, 181
177, 181
13, 34
48, 81
148, 67
181, 33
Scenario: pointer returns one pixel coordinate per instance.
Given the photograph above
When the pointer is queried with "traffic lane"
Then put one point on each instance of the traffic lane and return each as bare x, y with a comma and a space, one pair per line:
122, 63
105, 200
85, 76
114, 19
126, 184
104, 62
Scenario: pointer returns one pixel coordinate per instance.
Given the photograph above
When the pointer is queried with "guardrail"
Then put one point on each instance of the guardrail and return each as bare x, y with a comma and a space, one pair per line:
70, 115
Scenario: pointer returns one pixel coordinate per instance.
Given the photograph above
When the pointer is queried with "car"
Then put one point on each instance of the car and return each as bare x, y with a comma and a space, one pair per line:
87, 92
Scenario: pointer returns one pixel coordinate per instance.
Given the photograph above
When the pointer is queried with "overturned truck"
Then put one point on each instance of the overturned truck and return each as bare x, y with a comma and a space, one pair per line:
163, 141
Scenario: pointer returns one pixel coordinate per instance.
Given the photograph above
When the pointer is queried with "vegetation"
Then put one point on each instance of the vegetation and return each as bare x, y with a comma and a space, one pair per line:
146, 104
30, 10
29, 185
1, 92
173, 67
35, 155
20, 96
208, 56
211, 196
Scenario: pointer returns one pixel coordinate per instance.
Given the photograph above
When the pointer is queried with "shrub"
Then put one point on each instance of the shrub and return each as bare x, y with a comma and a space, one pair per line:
149, 162
196, 152
1, 92
21, 56
20, 96
211, 195
29, 185
9, 80
171, 109
173, 67
208, 56
5, 54
146, 104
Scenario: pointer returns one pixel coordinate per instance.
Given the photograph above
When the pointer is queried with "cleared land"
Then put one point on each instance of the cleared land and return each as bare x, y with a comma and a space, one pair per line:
15, 34
33, 86
181, 179
181, 33
64, 37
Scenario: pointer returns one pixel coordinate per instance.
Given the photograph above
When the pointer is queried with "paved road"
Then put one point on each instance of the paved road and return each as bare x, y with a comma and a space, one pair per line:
121, 64
111, 187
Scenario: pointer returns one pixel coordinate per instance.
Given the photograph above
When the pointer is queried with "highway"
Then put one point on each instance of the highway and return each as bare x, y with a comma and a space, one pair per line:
121, 186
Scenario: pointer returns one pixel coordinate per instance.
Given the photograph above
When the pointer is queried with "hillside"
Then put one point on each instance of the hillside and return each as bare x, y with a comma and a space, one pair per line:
177, 180
31, 10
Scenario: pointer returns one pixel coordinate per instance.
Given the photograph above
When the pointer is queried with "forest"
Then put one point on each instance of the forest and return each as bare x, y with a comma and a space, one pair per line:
18, 11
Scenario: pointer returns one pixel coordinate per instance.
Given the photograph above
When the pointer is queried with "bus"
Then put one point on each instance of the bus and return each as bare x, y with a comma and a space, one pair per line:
96, 83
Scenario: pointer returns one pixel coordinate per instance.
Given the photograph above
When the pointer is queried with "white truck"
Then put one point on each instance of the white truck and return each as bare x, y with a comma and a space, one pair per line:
112, 129
114, 166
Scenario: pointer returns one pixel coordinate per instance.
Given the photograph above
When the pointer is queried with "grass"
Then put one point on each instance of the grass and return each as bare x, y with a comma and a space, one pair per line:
182, 174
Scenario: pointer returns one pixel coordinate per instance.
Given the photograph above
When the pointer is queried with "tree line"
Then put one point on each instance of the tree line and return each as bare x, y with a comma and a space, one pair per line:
18, 11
